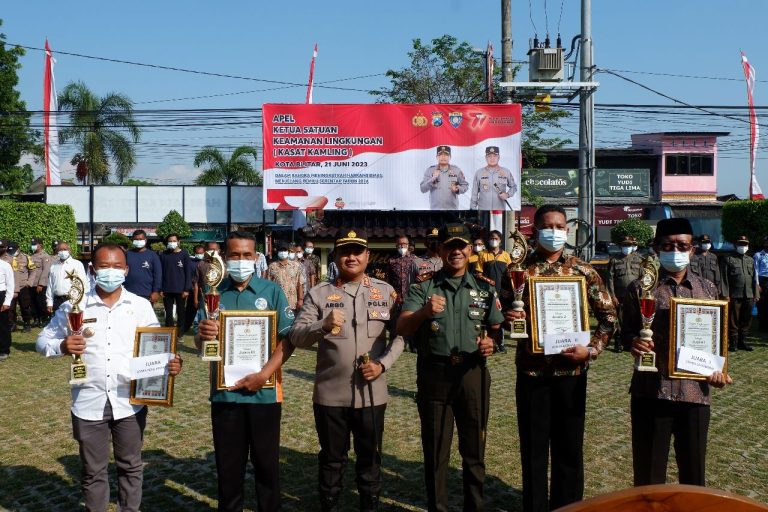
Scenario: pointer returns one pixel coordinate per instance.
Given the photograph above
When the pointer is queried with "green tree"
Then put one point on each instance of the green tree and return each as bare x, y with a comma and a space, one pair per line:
173, 223
449, 71
16, 136
17, 179
104, 130
637, 228
117, 238
220, 170
137, 183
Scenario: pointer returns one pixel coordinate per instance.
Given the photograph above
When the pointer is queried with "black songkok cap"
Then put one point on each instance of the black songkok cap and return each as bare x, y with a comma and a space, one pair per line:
678, 226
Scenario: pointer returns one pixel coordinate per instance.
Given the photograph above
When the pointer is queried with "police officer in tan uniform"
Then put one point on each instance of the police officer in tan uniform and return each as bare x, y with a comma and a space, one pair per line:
444, 182
739, 285
621, 272
705, 263
493, 184
19, 262
349, 320
39, 268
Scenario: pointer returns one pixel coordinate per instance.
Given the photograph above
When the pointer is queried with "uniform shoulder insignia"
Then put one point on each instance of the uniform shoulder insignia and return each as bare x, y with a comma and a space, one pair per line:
393, 295
426, 276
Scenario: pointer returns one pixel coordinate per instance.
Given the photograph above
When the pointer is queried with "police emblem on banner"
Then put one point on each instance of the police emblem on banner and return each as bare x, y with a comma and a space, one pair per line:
419, 120
437, 119
455, 119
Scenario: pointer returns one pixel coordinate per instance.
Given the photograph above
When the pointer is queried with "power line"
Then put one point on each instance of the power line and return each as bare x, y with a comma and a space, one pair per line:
185, 70
673, 75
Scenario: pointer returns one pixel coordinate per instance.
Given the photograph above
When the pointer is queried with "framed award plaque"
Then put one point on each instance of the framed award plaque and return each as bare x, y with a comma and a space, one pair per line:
152, 348
698, 338
248, 339
558, 305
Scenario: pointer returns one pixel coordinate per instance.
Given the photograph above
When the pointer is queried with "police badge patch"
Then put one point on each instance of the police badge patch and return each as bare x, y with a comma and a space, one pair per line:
288, 312
261, 304
455, 119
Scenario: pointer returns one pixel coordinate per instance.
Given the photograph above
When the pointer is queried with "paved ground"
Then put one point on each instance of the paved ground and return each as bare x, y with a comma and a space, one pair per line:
39, 464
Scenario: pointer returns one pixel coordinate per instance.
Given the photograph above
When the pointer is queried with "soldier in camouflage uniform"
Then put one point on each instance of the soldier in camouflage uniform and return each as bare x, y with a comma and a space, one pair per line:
621, 272
739, 285
705, 263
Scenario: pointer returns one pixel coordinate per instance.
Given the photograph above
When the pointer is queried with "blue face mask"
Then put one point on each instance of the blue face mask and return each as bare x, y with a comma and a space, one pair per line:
552, 239
674, 261
110, 279
241, 270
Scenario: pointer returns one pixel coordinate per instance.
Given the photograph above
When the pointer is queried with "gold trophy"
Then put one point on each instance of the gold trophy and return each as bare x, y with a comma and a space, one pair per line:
78, 371
649, 277
212, 348
516, 273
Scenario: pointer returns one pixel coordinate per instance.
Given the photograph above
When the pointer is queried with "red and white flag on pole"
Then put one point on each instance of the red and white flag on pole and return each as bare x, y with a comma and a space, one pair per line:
311, 75
51, 130
754, 130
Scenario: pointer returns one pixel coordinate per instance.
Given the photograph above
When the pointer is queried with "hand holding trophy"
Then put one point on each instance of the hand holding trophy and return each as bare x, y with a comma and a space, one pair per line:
649, 277
78, 372
516, 273
211, 350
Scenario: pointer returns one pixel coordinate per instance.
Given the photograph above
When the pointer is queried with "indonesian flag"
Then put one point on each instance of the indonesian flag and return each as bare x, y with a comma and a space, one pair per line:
311, 75
489, 65
51, 130
754, 130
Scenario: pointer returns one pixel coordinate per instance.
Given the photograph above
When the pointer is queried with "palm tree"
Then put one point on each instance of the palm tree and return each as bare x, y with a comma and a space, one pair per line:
238, 169
104, 131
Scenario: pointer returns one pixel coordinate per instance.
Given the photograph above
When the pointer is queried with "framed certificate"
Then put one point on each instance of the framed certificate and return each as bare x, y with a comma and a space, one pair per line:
698, 338
151, 347
558, 306
247, 341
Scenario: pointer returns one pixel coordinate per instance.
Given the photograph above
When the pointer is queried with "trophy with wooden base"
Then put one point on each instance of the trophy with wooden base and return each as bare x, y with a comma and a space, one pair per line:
646, 362
211, 349
516, 273
78, 371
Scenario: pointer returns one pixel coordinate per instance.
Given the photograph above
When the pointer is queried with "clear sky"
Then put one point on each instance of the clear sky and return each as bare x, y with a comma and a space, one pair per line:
273, 41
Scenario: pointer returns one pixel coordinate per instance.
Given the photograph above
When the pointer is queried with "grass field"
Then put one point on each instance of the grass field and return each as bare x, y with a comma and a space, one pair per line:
39, 465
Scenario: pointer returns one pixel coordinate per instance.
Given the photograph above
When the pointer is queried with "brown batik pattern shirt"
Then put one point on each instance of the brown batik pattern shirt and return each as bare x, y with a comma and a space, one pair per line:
658, 384
600, 302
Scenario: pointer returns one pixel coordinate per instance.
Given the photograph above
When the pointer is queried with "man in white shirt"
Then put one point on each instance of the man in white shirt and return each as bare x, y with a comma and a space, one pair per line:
7, 285
100, 407
58, 284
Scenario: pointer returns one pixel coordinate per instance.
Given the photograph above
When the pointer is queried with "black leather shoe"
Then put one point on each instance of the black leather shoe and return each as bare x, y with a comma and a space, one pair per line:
744, 346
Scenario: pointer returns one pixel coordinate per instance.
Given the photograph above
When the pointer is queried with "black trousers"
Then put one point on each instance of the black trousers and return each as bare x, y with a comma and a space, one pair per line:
169, 299
5, 332
654, 422
39, 310
189, 312
739, 319
762, 306
550, 420
446, 394
240, 431
58, 300
24, 301
334, 425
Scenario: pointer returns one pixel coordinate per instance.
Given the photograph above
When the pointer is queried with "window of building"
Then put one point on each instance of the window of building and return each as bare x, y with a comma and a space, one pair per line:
690, 165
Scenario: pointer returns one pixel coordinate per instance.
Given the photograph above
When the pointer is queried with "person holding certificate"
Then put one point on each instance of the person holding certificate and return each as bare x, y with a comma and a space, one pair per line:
662, 407
350, 320
453, 319
100, 407
245, 417
551, 390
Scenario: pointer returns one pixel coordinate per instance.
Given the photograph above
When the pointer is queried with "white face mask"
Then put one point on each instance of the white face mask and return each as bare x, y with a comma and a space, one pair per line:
552, 240
742, 249
479, 248
299, 255
634, 248
173, 245
309, 250
706, 247
139, 244
282, 255
674, 261
626, 250
291, 255
33, 247
402, 250
199, 256
63, 255
494, 243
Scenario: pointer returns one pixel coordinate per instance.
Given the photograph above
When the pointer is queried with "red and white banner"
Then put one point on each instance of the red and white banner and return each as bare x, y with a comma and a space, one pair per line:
50, 127
392, 157
311, 75
754, 132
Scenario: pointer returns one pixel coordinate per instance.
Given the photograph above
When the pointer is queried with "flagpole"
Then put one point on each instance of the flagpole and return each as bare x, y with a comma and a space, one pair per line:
755, 193
51, 131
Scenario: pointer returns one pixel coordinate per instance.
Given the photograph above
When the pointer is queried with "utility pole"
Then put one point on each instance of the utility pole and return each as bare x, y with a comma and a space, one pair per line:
586, 134
506, 46
508, 221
